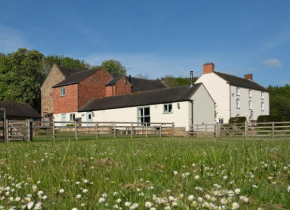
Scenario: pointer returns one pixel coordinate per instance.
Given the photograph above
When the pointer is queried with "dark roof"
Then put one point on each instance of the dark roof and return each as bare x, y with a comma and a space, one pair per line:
75, 78
67, 70
19, 109
165, 95
241, 82
139, 84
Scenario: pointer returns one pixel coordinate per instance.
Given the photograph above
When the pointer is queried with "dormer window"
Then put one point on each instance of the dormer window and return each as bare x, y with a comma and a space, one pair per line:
62, 91
250, 93
237, 91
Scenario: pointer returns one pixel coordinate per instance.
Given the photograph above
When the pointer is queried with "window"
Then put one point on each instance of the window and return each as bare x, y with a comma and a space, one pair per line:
250, 93
72, 117
250, 105
238, 91
144, 115
62, 91
262, 106
221, 120
167, 108
262, 95
238, 103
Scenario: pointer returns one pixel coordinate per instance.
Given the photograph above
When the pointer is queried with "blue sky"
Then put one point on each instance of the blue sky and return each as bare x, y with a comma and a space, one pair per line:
157, 37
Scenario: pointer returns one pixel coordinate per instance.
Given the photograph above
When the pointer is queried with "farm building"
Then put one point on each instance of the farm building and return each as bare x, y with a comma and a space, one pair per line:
185, 105
19, 111
235, 96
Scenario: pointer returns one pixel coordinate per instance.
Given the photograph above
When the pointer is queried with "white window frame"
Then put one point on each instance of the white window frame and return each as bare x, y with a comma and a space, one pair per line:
262, 106
72, 117
262, 95
62, 91
250, 93
250, 105
141, 118
238, 103
166, 108
237, 91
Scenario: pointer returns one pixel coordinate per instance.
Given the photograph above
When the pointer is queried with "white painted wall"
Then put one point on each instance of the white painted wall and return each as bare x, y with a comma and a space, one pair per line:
219, 91
244, 103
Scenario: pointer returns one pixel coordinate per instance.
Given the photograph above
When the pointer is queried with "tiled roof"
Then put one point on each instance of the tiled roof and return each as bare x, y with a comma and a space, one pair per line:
67, 70
19, 109
165, 95
75, 78
140, 84
241, 82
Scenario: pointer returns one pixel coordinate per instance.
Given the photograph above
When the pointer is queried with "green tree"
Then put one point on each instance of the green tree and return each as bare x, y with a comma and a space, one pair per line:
114, 67
172, 81
21, 77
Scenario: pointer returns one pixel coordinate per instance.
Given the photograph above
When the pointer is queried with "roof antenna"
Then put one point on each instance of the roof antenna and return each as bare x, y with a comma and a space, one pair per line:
191, 78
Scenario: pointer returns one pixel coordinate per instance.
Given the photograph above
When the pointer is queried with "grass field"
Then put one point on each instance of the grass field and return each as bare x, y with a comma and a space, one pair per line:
156, 173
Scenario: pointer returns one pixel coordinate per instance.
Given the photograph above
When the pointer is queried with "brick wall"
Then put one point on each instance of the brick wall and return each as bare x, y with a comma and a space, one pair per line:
67, 103
123, 87
93, 87
54, 77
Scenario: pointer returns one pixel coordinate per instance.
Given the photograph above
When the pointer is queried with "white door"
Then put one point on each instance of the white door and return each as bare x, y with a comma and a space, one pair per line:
63, 119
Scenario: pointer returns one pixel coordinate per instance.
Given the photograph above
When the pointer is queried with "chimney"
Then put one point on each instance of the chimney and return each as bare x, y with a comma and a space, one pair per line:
208, 68
248, 76
130, 78
191, 78
58, 62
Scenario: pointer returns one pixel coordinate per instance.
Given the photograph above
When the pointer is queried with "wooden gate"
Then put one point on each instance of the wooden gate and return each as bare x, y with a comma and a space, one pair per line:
18, 130
235, 129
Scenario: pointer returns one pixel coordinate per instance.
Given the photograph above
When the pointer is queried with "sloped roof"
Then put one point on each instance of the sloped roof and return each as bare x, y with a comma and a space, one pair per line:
139, 84
165, 95
66, 71
19, 109
75, 78
241, 82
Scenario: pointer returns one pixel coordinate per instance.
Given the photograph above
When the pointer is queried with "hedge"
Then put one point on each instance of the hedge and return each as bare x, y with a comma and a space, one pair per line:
238, 119
270, 118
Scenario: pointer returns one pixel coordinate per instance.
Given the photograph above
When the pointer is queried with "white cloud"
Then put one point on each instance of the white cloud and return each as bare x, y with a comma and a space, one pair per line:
272, 62
284, 82
10, 40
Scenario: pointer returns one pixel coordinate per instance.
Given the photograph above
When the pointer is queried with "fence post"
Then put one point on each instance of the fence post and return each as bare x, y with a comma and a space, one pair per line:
173, 129
205, 129
28, 130
146, 130
5, 126
76, 130
7, 130
160, 131
97, 133
273, 129
246, 129
131, 130
114, 129
196, 130
53, 132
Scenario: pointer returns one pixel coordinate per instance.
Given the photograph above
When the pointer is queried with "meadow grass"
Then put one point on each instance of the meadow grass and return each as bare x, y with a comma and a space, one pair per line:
154, 173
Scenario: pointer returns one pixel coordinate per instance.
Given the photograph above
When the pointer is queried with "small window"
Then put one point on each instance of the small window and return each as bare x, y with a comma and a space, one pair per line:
221, 120
72, 117
167, 108
262, 95
238, 103
262, 106
250, 105
238, 91
250, 93
90, 116
62, 91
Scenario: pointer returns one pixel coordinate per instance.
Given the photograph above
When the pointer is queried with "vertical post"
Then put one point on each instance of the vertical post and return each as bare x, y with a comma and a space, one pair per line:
114, 129
205, 129
76, 130
7, 130
97, 132
160, 131
216, 129
131, 130
53, 131
196, 130
172, 129
28, 130
146, 130
5, 126
273, 129
246, 129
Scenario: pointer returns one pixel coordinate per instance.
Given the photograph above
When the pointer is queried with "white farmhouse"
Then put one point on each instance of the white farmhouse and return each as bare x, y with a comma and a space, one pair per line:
185, 105
235, 96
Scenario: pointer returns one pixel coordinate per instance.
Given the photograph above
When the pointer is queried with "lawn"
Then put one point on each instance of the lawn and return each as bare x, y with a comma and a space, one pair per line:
154, 173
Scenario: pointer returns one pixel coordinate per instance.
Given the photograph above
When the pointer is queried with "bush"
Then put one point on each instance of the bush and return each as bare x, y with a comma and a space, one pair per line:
238, 119
70, 125
270, 118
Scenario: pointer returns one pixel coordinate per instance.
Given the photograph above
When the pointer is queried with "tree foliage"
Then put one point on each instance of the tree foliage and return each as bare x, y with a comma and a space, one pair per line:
172, 81
114, 67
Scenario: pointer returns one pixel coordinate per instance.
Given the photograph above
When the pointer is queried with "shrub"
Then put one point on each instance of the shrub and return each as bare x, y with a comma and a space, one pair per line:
270, 118
70, 125
238, 119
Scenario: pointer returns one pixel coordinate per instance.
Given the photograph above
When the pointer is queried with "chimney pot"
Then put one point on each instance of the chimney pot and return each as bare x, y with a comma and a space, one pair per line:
130, 78
248, 76
208, 68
